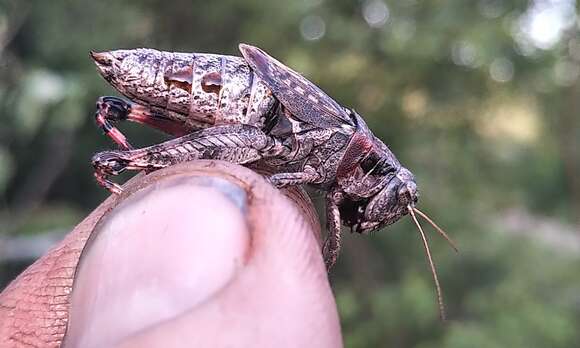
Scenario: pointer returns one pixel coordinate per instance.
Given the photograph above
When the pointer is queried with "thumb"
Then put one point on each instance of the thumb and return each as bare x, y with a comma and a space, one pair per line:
206, 254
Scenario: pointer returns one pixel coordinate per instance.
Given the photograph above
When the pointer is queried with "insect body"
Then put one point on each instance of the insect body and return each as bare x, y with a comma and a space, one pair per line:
255, 109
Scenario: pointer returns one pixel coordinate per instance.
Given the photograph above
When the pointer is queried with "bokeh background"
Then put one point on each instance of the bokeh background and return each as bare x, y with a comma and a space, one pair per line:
481, 99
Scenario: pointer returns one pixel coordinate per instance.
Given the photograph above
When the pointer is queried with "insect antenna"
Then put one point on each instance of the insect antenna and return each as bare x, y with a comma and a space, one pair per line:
439, 229
431, 264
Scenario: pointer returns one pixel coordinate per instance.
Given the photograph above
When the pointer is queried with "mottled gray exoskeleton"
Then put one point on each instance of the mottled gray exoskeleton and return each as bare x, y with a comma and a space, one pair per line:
249, 109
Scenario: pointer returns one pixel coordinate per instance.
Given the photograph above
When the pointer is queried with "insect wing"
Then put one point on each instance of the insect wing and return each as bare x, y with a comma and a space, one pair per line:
301, 97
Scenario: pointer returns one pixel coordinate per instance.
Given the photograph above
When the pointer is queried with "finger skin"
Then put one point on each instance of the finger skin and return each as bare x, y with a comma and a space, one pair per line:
34, 306
155, 256
257, 280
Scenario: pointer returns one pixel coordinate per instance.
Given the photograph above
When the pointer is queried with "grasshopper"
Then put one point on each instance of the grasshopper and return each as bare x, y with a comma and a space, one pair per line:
254, 109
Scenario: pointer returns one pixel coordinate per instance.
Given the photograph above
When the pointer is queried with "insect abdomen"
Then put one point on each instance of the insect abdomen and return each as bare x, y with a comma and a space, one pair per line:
200, 89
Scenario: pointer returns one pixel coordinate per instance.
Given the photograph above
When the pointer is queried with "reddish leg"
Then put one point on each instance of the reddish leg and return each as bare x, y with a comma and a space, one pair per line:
113, 109
109, 110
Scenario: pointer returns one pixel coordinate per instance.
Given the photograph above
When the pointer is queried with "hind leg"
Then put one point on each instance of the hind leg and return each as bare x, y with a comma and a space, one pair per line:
233, 143
111, 110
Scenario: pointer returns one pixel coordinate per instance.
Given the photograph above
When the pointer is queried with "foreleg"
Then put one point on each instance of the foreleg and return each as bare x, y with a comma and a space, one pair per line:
332, 244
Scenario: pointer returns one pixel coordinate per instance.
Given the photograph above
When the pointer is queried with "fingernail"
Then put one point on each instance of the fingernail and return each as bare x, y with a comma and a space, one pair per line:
231, 191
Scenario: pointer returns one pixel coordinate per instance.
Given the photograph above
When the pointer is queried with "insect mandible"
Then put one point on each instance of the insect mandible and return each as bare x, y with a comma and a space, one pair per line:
249, 109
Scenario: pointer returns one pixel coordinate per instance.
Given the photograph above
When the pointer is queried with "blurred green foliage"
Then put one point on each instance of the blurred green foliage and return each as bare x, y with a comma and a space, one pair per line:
475, 97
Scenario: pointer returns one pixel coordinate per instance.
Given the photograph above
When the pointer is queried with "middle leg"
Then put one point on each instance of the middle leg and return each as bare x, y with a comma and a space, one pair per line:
307, 176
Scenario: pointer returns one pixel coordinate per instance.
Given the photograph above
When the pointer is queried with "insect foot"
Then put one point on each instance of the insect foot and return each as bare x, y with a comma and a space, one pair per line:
113, 108
108, 163
109, 111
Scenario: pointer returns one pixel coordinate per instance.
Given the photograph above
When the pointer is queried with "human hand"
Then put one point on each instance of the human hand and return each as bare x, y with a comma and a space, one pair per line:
203, 254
